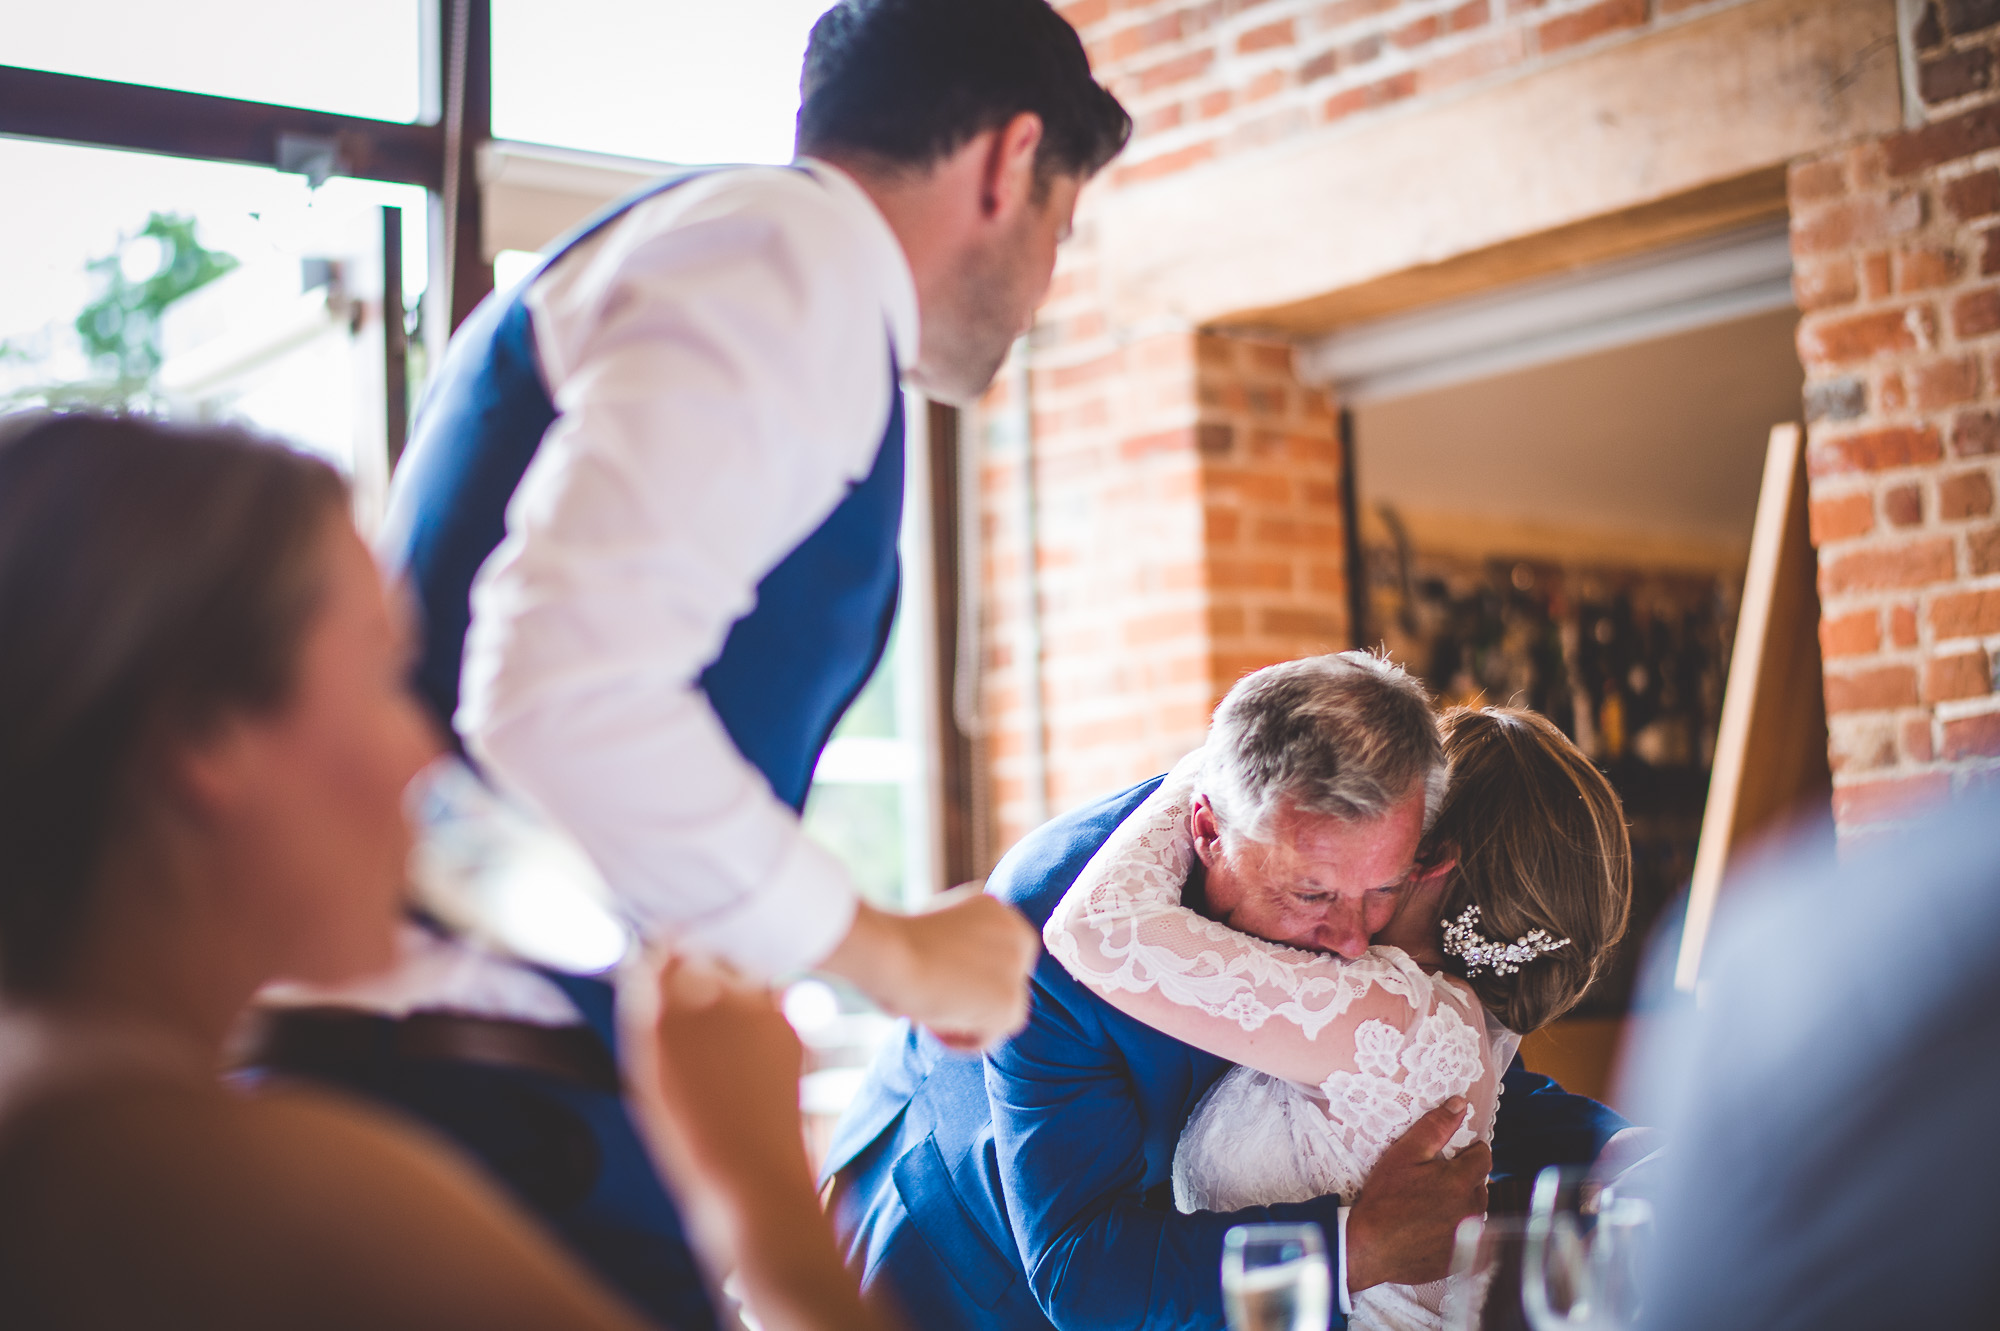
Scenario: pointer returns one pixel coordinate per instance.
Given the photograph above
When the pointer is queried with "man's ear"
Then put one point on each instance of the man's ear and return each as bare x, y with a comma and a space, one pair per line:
1007, 182
1434, 865
1206, 830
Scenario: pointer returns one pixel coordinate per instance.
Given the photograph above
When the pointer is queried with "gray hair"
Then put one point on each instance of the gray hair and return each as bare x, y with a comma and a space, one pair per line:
1348, 735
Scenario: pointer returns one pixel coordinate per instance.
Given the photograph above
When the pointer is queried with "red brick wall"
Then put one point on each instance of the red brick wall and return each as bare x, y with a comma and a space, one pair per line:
1897, 249
1188, 530
1204, 80
1188, 514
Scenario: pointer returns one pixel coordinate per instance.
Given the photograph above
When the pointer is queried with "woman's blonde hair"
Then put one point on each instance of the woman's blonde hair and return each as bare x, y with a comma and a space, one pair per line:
1541, 844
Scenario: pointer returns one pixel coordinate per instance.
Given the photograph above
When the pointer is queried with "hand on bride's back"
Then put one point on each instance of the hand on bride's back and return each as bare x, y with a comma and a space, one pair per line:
1401, 1227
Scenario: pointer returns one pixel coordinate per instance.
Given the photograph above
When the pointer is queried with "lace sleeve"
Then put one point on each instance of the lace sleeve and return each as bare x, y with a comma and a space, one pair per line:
1375, 1024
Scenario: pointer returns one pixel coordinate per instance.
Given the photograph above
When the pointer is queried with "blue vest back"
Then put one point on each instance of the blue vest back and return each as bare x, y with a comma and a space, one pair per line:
787, 670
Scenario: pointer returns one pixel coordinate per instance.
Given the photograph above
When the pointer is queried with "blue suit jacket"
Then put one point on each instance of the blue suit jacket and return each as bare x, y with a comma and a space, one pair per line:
1032, 1188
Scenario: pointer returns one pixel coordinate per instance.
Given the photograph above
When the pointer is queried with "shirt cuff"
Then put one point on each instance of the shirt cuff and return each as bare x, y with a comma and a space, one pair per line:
1340, 1248
790, 923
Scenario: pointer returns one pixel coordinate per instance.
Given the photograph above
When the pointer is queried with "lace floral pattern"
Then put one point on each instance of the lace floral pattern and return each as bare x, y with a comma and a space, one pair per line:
1444, 1056
1376, 1046
1129, 899
1338, 1057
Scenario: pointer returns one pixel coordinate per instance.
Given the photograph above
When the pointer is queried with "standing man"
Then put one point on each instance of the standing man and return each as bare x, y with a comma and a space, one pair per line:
650, 514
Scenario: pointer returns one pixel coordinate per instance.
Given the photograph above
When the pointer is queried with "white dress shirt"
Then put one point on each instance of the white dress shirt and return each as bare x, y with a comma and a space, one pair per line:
719, 359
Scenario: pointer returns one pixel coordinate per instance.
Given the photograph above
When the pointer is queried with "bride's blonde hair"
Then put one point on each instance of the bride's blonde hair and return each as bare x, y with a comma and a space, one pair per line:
1541, 844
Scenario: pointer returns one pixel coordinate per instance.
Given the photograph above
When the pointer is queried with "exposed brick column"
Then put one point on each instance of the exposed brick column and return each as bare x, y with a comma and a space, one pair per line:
1897, 247
1270, 473
1188, 530
1118, 573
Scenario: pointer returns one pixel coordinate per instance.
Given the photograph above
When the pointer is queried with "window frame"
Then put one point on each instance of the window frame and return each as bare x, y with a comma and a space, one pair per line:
475, 200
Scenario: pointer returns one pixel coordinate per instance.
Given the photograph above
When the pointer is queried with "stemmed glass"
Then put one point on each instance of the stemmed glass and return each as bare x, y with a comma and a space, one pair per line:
1581, 1265
1484, 1290
1275, 1278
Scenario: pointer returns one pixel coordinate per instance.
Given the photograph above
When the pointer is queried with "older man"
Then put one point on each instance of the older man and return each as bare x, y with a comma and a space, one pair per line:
1033, 1190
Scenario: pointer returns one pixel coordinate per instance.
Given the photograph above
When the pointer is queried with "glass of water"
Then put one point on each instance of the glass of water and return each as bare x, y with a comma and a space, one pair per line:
1275, 1278
1585, 1250
1483, 1292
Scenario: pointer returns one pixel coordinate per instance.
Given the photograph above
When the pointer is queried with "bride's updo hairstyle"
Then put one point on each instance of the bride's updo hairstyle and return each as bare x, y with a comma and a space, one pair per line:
153, 579
1541, 845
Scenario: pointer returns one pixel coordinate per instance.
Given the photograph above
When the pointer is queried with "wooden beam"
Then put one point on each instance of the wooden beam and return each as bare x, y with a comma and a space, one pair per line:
1353, 557
98, 113
1758, 196
1483, 535
395, 340
957, 802
467, 52
1706, 109
533, 193
1771, 766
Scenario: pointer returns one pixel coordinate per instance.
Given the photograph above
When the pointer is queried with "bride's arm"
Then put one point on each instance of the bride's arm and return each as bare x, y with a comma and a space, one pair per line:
1300, 1015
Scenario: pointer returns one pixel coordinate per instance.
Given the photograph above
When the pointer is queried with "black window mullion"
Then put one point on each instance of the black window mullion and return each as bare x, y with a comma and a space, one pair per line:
70, 108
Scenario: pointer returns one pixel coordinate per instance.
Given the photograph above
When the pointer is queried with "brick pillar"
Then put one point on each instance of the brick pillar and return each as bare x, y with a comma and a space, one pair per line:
1897, 247
1270, 490
1187, 521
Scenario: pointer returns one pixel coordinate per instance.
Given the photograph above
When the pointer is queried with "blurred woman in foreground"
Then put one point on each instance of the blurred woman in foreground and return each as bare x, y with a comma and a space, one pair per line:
204, 742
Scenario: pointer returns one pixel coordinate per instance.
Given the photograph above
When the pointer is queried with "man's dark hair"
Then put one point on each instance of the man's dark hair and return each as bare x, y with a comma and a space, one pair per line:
909, 82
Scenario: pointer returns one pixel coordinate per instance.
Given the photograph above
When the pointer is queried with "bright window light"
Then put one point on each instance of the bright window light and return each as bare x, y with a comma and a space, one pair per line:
359, 57
675, 81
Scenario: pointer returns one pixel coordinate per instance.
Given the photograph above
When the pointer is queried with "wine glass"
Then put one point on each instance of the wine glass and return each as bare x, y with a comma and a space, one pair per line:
1275, 1278
1483, 1292
1583, 1256
1555, 1285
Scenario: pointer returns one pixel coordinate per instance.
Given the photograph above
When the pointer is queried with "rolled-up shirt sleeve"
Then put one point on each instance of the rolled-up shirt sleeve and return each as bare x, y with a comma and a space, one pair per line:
720, 364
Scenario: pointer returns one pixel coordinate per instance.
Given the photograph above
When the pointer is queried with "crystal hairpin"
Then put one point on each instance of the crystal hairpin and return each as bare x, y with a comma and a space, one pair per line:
1463, 940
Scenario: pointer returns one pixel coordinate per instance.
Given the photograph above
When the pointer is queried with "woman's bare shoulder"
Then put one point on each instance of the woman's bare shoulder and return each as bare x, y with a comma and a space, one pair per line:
280, 1206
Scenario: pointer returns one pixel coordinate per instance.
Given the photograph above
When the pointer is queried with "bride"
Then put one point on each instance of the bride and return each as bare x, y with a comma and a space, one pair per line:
1521, 890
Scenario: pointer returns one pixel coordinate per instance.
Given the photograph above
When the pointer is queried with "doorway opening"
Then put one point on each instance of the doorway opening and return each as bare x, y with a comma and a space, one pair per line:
1554, 492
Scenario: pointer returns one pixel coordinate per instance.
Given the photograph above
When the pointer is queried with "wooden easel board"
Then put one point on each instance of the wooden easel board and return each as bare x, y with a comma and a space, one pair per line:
1770, 751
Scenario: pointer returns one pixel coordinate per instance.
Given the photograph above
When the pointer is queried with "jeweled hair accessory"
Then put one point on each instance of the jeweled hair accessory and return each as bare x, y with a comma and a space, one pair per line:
1463, 940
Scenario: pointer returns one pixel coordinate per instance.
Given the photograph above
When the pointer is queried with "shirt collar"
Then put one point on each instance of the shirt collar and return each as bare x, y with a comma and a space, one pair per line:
891, 265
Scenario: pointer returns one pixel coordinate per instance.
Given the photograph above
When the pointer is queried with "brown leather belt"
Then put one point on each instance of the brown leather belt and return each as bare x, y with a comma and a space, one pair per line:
339, 1042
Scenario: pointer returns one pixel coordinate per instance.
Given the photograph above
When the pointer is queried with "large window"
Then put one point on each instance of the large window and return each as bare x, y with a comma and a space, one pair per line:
360, 57
302, 288
206, 289
687, 81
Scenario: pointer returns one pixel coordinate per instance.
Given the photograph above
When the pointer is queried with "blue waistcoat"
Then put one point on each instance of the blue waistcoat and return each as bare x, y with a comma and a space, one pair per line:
786, 672
788, 669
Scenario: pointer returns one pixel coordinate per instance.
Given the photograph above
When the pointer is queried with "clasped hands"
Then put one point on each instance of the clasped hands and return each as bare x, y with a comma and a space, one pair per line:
713, 1069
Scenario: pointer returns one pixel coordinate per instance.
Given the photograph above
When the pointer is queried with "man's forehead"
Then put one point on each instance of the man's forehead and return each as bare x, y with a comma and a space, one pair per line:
1382, 848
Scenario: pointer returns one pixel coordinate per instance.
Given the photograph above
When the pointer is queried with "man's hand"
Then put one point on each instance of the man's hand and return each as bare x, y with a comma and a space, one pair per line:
1400, 1229
960, 966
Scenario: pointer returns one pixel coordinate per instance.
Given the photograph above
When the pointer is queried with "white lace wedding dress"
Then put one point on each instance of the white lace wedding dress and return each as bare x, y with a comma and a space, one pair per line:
1337, 1058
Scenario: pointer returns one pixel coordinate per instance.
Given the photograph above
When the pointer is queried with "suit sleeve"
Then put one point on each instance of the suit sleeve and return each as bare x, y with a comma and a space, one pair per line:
1541, 1124
1070, 1133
